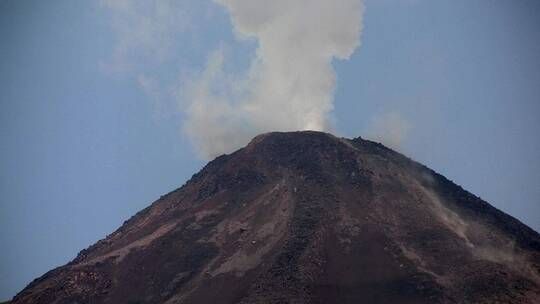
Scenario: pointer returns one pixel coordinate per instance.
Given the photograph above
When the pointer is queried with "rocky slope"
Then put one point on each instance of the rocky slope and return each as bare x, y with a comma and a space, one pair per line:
305, 217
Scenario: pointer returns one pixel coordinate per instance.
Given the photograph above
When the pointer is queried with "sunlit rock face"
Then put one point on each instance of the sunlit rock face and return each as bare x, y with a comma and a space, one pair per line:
305, 217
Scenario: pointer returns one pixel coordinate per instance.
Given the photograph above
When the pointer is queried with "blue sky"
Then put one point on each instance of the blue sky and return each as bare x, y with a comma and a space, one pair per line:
87, 141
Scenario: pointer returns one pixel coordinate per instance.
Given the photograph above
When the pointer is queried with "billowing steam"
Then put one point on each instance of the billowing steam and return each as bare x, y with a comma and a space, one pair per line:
289, 84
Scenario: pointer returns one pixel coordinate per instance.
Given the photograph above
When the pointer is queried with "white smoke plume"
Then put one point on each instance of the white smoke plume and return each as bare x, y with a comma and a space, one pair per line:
290, 83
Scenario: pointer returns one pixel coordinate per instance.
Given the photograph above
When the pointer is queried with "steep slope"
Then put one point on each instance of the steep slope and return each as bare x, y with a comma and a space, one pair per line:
305, 217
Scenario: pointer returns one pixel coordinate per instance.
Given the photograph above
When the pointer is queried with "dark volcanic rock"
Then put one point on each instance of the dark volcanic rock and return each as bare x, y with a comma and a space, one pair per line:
305, 217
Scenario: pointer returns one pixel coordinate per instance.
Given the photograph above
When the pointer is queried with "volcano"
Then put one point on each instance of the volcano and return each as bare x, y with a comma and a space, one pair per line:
306, 217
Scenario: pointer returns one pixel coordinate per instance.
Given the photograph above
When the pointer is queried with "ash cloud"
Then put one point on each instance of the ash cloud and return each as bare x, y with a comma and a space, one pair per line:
290, 83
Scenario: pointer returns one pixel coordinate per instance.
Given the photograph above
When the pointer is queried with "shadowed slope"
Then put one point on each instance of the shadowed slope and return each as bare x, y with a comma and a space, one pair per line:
305, 217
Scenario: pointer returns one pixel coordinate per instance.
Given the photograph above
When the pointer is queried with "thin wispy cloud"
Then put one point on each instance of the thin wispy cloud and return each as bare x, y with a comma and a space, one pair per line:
146, 31
391, 129
151, 39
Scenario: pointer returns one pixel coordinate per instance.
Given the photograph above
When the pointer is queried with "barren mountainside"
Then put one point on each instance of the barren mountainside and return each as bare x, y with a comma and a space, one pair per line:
306, 217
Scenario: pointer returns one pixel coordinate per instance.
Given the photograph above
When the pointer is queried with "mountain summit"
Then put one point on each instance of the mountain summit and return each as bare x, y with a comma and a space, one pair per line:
306, 217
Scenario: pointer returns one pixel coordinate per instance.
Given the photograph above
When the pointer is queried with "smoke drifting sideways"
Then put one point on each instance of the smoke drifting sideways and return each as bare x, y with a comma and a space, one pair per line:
390, 129
290, 83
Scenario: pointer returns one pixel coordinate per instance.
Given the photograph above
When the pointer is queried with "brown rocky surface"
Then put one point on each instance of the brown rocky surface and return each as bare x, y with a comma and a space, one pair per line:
305, 217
